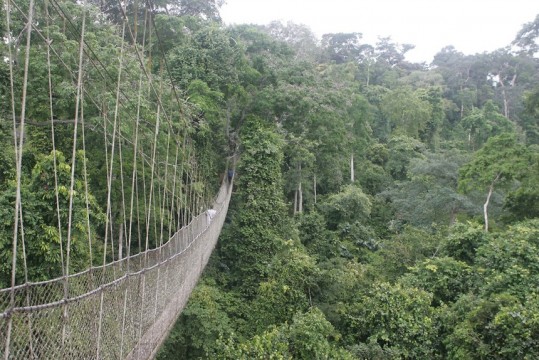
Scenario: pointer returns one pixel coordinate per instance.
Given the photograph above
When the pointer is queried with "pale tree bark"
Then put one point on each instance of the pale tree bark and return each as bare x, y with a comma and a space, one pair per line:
504, 95
505, 104
485, 205
300, 199
295, 201
298, 195
352, 173
300, 192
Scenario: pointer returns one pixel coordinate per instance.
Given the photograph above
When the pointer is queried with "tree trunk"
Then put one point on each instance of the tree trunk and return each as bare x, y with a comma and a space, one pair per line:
300, 191
505, 100
504, 95
485, 208
485, 205
505, 103
352, 174
300, 199
295, 201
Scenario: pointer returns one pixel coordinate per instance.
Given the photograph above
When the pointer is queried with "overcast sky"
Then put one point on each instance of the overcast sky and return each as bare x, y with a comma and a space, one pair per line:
472, 26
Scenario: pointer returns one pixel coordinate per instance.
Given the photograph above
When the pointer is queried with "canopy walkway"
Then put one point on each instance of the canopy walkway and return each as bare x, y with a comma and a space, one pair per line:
107, 213
124, 309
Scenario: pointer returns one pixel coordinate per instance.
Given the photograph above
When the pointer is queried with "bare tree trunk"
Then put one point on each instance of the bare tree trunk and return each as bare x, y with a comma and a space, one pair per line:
485, 209
300, 199
295, 201
505, 100
504, 95
485, 205
505, 103
300, 191
352, 173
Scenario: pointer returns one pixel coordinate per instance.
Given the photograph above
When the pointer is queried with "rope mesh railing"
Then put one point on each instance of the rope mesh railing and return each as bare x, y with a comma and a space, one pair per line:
139, 304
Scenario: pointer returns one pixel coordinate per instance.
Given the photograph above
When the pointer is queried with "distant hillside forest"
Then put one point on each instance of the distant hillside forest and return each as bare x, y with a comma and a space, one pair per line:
382, 209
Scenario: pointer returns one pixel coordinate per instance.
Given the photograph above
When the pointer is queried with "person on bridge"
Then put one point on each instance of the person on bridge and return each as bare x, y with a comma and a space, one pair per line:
210, 213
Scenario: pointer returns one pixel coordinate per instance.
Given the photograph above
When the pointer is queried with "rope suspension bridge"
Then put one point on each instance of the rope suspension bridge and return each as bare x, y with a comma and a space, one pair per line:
105, 227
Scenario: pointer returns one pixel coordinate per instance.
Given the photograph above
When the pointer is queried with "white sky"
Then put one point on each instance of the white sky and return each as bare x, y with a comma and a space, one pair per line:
471, 26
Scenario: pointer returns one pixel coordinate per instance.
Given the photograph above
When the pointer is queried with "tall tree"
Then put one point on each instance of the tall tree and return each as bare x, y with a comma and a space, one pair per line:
259, 210
497, 164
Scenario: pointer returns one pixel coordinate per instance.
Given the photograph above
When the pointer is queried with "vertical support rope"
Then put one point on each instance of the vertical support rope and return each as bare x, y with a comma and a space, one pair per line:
18, 156
30, 338
152, 197
148, 75
72, 186
122, 224
181, 197
142, 281
53, 140
171, 214
162, 214
75, 137
85, 171
152, 173
187, 185
108, 221
135, 153
134, 192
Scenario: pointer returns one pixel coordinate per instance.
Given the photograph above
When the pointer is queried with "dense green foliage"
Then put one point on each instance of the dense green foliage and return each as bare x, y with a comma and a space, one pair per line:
382, 209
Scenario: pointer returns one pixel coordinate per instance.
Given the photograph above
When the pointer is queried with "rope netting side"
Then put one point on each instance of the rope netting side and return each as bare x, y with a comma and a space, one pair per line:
179, 262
